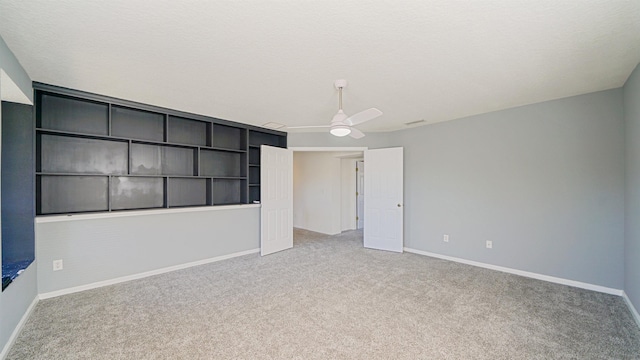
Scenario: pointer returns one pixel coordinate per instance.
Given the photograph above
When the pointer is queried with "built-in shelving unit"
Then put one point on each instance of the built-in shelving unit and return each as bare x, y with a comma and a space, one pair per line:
256, 139
96, 153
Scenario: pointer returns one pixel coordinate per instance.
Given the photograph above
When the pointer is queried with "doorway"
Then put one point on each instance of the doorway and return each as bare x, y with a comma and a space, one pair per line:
325, 196
383, 200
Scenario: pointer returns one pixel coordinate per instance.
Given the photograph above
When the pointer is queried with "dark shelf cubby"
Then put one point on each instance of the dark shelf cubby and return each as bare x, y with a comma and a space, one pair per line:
187, 192
71, 114
70, 154
221, 164
137, 124
185, 131
254, 193
254, 175
71, 194
136, 192
228, 137
162, 160
228, 191
95, 153
254, 156
257, 138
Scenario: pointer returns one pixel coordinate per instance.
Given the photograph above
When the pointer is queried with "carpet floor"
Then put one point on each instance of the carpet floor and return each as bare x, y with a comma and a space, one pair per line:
329, 298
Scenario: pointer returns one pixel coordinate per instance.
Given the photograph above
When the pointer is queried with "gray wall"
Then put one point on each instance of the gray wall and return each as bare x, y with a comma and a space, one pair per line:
632, 188
16, 298
102, 249
544, 182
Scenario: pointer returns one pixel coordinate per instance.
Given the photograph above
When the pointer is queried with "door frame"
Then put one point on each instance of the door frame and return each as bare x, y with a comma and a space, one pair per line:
329, 149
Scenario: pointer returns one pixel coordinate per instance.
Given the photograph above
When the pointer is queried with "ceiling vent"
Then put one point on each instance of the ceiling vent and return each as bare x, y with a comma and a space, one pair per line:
414, 122
273, 125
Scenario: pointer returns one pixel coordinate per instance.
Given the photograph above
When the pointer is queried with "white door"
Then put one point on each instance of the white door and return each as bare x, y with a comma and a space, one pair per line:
383, 200
360, 193
276, 197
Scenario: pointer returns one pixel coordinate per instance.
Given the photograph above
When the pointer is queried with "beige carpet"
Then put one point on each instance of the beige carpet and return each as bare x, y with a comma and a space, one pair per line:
329, 298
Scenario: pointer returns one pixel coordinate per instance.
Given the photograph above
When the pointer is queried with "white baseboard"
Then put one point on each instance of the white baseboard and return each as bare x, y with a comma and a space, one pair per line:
632, 308
143, 275
553, 279
16, 331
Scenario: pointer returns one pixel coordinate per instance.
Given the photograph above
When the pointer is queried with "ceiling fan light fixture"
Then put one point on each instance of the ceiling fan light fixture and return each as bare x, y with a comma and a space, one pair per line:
340, 130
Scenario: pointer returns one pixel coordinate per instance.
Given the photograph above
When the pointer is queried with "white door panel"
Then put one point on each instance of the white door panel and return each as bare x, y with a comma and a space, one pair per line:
276, 211
383, 200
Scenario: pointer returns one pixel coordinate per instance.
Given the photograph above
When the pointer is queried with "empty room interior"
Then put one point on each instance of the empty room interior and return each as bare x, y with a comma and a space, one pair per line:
320, 179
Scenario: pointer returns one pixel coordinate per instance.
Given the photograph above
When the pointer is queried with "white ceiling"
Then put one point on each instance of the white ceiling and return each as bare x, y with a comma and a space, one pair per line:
257, 61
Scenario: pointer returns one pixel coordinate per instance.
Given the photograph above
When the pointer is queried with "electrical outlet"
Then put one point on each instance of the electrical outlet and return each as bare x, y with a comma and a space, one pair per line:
446, 238
57, 265
489, 244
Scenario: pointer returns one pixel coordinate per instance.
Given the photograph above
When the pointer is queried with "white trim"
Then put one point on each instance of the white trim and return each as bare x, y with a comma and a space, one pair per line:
632, 308
553, 279
142, 275
108, 215
327, 148
16, 331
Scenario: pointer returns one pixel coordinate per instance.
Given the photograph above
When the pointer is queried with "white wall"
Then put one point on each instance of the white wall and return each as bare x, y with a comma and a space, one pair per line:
317, 192
105, 248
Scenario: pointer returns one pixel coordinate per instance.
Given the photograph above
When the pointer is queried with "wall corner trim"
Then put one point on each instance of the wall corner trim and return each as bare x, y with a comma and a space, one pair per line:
634, 312
553, 279
145, 274
18, 329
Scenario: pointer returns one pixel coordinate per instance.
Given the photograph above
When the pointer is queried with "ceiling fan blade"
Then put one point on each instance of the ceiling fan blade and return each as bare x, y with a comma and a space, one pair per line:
363, 116
308, 127
356, 134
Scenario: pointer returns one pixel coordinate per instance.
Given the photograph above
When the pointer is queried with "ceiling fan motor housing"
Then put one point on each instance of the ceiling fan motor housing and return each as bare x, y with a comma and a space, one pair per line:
339, 118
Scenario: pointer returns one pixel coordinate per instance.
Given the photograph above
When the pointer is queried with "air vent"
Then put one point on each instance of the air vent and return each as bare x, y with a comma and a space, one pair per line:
414, 122
273, 125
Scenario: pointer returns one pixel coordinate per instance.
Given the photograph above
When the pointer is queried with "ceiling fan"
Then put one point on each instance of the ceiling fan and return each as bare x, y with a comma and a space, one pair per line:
343, 125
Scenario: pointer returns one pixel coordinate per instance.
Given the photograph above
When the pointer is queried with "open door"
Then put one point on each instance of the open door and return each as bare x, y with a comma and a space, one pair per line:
360, 194
383, 200
276, 187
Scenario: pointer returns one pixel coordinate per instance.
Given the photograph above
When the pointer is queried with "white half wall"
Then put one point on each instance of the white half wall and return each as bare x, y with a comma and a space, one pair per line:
98, 249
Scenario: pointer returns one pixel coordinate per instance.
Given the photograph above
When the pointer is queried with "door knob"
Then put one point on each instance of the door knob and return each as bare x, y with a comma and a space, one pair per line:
399, 205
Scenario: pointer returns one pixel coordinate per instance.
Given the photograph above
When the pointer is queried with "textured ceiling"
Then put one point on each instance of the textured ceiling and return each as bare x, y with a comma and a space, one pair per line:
258, 61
